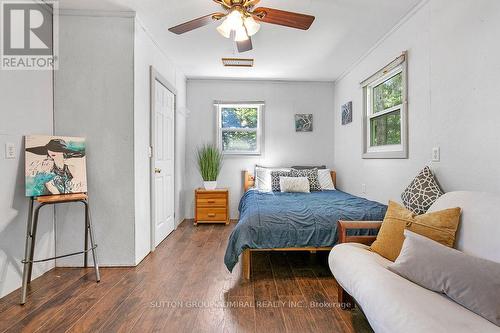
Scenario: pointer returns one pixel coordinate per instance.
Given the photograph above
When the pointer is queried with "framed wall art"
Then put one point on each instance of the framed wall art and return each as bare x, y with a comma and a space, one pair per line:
346, 113
304, 122
54, 165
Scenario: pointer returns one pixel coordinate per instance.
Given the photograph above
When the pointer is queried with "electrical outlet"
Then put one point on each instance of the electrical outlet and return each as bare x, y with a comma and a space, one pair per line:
10, 151
436, 154
363, 188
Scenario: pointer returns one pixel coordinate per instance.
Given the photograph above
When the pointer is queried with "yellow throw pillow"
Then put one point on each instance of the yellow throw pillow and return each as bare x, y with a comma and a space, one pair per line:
439, 226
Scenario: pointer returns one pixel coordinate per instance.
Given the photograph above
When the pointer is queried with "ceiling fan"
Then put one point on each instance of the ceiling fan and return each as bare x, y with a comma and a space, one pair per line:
240, 21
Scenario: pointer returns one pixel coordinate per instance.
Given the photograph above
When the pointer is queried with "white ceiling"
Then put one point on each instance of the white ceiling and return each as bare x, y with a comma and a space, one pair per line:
342, 32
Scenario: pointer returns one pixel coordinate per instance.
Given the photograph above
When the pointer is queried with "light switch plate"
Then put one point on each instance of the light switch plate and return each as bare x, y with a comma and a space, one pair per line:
436, 154
10, 151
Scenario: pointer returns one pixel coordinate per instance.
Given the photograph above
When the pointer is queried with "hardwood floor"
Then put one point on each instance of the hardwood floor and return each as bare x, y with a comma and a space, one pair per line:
184, 287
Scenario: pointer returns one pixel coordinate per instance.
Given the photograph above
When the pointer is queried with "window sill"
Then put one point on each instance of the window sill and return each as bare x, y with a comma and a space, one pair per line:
385, 155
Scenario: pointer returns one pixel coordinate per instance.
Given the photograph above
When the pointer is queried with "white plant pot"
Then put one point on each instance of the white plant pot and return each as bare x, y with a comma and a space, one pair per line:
210, 185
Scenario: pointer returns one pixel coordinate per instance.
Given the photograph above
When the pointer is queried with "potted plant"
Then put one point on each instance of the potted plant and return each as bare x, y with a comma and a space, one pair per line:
209, 163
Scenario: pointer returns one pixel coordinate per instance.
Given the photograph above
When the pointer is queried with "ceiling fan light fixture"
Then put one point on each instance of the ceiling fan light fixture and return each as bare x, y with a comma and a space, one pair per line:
224, 29
235, 18
240, 34
251, 25
233, 21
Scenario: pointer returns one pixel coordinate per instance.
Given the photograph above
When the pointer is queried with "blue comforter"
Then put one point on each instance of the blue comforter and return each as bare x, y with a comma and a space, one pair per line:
282, 220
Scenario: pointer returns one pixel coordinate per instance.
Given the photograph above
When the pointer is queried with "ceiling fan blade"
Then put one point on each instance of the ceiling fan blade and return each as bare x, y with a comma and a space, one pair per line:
281, 17
196, 23
245, 45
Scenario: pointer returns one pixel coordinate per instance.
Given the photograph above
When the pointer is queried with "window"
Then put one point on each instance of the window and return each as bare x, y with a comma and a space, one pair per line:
239, 128
385, 117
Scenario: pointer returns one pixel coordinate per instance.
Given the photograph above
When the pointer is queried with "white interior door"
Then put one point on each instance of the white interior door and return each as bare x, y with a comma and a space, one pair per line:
163, 162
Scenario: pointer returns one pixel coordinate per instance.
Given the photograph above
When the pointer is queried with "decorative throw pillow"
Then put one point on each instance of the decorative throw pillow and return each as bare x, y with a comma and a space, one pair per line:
275, 179
325, 180
422, 192
263, 177
294, 184
439, 226
312, 176
470, 281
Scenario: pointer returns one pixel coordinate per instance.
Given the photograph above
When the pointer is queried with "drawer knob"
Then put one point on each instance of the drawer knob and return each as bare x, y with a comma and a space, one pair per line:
211, 201
211, 215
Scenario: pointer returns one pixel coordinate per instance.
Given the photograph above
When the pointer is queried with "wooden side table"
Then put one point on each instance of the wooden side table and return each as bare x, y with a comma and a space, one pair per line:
211, 206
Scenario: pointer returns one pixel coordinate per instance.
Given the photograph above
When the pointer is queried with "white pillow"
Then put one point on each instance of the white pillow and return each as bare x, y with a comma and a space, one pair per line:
263, 178
325, 179
470, 281
294, 184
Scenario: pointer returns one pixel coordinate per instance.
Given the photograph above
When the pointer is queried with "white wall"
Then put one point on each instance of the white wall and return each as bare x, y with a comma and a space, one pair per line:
94, 98
100, 57
283, 146
453, 101
25, 108
147, 53
114, 58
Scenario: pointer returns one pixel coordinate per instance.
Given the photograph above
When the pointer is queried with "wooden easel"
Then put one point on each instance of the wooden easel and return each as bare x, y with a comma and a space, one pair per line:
29, 249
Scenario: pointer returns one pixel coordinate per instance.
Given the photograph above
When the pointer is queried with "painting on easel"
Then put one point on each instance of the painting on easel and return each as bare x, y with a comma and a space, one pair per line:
55, 165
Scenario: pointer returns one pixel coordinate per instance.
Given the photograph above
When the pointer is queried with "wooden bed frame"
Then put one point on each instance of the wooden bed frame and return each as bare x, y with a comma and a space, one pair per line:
246, 257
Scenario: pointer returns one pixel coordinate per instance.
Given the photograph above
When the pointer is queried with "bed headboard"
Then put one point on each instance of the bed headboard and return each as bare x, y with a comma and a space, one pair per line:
249, 180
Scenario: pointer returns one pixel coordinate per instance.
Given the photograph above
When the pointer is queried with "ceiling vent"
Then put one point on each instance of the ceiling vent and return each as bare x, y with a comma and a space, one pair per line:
237, 62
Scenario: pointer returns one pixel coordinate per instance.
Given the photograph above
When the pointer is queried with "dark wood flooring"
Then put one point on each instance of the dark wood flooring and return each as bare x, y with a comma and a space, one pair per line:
184, 287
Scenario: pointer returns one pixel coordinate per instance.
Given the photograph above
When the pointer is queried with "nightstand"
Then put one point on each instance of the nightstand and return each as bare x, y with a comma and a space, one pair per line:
211, 206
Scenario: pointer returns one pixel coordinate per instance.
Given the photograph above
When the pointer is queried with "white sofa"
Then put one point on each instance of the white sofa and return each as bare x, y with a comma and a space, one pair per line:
394, 304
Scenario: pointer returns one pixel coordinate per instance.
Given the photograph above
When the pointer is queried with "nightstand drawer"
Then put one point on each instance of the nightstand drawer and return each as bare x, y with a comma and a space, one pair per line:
212, 214
203, 201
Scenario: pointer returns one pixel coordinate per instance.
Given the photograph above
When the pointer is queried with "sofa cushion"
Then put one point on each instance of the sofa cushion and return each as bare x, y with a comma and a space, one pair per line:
470, 281
422, 192
391, 303
479, 225
440, 226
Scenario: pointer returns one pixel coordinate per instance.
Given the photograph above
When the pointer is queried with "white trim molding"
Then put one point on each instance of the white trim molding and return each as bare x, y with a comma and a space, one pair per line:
396, 27
393, 151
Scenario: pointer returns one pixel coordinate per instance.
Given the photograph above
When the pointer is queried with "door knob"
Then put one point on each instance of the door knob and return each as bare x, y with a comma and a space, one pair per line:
157, 170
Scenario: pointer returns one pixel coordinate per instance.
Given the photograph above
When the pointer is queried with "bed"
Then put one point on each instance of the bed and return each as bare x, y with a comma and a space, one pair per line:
275, 221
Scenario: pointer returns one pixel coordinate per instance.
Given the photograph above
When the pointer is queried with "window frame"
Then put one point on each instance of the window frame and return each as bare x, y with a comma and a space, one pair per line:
397, 151
258, 130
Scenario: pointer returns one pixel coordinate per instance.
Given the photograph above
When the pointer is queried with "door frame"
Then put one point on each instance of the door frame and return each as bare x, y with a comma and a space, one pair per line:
156, 76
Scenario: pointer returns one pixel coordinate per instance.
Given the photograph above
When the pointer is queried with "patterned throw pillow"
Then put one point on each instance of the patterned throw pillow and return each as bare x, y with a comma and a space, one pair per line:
325, 180
422, 192
275, 179
312, 176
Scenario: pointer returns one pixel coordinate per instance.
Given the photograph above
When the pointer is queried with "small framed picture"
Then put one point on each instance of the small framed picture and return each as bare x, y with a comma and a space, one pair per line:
347, 113
303, 122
